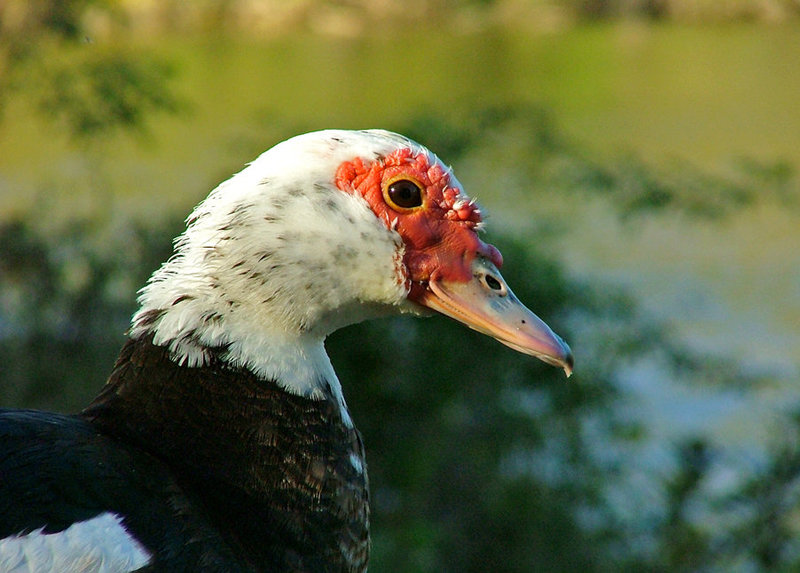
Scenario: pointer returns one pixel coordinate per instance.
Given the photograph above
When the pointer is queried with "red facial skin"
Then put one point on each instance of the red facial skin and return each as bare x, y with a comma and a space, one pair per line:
444, 263
440, 235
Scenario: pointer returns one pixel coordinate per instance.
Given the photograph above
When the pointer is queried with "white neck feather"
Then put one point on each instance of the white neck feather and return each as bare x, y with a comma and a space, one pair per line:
274, 260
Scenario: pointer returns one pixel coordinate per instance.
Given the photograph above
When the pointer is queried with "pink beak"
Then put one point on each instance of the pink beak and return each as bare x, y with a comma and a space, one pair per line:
486, 304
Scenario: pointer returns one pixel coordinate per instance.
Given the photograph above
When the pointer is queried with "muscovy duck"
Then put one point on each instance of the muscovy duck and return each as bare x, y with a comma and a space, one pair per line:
221, 440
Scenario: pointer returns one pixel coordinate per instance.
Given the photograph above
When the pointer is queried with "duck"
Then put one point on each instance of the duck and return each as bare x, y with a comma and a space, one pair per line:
221, 440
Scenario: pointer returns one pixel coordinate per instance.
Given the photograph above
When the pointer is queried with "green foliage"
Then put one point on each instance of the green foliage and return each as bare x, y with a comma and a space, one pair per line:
66, 298
106, 92
91, 90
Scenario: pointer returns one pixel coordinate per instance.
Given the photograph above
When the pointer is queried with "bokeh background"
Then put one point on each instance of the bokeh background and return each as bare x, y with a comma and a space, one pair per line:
638, 159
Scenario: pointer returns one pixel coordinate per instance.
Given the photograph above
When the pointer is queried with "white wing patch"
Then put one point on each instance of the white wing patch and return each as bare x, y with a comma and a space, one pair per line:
97, 545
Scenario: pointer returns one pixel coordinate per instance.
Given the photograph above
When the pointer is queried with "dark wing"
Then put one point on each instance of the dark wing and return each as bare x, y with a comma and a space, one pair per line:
57, 470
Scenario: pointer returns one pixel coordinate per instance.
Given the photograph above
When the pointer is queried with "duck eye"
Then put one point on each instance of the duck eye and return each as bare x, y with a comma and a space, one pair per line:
404, 194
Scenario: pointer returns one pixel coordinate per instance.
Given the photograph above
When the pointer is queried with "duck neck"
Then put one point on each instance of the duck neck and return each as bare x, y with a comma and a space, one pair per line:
250, 451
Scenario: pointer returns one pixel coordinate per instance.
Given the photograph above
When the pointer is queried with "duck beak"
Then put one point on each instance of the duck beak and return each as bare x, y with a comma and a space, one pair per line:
485, 303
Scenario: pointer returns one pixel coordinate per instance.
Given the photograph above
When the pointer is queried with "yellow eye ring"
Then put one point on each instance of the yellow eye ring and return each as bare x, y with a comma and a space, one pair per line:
403, 193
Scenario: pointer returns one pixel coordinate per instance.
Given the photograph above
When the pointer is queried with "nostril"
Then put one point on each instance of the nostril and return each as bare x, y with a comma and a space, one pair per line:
493, 283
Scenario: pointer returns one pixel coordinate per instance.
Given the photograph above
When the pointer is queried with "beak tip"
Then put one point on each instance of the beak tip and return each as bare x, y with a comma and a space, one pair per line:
559, 355
569, 362
565, 358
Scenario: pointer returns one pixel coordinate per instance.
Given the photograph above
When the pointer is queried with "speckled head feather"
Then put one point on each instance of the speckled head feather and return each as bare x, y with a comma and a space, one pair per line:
278, 256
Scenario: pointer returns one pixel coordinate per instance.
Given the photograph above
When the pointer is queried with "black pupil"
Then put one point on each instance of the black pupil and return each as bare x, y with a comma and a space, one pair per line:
405, 194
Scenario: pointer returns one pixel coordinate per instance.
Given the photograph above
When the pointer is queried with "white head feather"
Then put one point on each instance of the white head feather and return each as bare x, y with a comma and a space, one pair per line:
275, 259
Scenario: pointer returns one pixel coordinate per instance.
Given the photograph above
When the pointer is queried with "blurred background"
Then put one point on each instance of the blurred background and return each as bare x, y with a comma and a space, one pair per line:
638, 160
